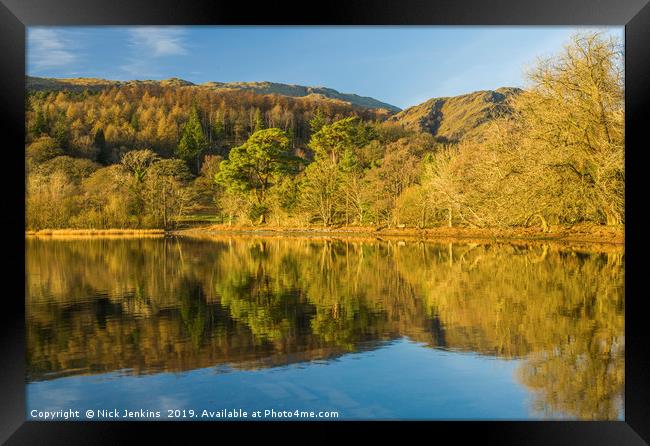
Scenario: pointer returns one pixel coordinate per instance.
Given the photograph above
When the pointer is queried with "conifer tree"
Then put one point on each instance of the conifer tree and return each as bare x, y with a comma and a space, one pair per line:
193, 141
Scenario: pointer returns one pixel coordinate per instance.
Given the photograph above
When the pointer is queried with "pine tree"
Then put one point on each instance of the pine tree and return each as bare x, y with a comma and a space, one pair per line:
193, 141
40, 124
255, 166
318, 121
104, 154
258, 121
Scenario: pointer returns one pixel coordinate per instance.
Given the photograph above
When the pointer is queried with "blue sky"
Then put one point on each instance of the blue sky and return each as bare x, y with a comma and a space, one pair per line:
399, 65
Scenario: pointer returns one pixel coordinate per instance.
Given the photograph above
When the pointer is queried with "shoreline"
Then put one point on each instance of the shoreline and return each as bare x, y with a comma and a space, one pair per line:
94, 233
587, 234
604, 235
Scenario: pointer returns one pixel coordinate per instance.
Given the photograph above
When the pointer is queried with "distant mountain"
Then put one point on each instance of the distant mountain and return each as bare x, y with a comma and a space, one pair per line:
447, 118
92, 84
457, 117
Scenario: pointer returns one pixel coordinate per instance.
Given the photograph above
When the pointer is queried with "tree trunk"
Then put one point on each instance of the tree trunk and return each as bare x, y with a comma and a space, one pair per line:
612, 218
543, 222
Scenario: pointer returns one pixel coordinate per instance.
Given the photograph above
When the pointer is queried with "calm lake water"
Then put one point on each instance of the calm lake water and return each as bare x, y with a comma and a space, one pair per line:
366, 328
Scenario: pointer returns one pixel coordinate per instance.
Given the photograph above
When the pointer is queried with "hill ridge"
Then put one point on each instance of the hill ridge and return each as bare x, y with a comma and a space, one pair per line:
260, 87
452, 118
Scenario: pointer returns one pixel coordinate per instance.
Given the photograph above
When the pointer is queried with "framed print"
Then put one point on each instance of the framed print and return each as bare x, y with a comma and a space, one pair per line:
417, 216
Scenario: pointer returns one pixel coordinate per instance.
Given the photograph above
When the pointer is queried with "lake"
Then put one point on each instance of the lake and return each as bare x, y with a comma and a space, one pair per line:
355, 328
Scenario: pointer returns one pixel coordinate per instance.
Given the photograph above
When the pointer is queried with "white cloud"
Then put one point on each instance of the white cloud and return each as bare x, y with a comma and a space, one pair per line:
157, 41
148, 44
140, 68
49, 48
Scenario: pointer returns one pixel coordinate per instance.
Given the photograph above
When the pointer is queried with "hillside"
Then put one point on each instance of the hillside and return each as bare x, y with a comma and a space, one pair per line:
120, 116
296, 91
300, 91
457, 117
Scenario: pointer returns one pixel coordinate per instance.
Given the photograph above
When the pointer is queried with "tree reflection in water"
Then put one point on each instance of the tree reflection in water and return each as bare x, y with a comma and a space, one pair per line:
150, 305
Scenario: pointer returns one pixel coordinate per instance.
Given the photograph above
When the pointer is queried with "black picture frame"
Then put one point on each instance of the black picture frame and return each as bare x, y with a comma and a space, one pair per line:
15, 15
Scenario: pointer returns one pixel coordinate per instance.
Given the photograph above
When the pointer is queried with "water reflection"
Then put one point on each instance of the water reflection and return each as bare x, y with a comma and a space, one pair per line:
143, 306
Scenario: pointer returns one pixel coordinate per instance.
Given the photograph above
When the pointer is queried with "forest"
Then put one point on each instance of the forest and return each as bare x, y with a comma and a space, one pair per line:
156, 156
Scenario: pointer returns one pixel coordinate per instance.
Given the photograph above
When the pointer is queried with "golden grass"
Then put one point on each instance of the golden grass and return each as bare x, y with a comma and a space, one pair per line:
97, 232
